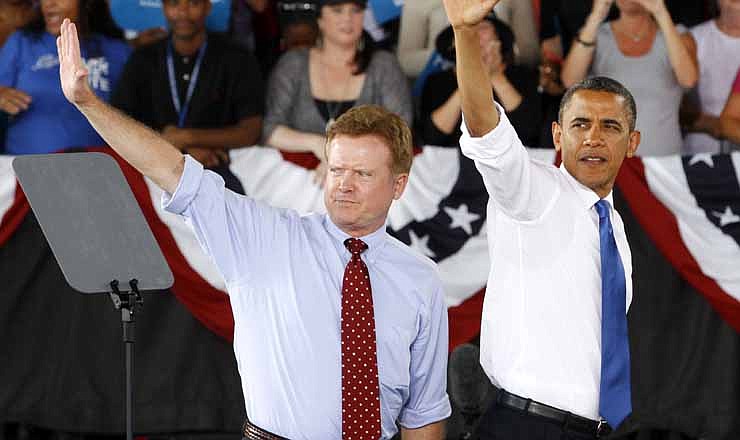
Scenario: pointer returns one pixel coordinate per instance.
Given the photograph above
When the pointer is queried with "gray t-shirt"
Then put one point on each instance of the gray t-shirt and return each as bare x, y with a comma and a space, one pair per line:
290, 103
654, 85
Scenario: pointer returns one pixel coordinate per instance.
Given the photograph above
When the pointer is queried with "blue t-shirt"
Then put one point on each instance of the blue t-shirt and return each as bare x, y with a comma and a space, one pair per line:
29, 63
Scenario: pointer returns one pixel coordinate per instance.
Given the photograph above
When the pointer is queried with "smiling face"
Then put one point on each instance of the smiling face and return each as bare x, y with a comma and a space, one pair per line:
360, 185
186, 18
594, 138
341, 23
54, 11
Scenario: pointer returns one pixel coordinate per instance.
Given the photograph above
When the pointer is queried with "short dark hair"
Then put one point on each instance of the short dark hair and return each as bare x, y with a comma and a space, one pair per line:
602, 84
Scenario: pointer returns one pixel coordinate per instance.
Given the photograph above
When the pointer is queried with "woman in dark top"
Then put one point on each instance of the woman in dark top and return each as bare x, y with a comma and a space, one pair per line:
514, 87
311, 87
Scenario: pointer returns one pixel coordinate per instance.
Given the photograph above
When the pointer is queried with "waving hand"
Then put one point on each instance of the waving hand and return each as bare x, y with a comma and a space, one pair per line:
72, 70
462, 13
476, 101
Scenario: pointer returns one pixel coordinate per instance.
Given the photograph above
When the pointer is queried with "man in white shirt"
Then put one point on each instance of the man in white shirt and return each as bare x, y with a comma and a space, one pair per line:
554, 331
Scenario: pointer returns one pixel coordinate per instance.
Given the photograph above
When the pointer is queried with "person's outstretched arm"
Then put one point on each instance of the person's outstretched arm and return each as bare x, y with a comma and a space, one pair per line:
477, 105
682, 59
581, 55
517, 187
140, 146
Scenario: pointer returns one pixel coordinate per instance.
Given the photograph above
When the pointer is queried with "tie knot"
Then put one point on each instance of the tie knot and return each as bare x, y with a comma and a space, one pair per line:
355, 245
602, 208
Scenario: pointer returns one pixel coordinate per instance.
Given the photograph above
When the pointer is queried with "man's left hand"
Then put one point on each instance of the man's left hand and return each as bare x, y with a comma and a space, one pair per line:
72, 70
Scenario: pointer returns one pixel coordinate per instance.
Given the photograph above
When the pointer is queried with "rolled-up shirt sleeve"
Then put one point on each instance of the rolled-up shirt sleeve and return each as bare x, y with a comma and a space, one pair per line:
235, 231
187, 187
428, 401
518, 186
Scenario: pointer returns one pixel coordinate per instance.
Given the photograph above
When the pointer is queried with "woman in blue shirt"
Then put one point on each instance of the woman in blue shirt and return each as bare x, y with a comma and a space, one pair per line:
41, 120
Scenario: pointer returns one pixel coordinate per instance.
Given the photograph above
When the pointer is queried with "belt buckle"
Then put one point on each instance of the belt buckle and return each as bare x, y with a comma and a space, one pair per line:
603, 429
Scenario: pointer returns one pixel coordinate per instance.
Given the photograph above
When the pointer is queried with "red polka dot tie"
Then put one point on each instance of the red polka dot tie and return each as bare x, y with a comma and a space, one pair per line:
360, 391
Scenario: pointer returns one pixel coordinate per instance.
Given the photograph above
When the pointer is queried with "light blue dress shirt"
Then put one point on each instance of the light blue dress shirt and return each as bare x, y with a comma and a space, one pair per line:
283, 273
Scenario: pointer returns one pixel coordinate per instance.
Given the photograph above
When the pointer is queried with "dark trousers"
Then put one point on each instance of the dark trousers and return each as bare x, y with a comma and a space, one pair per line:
502, 423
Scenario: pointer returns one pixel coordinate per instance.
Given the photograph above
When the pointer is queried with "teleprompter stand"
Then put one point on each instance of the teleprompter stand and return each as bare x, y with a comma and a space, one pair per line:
98, 235
127, 304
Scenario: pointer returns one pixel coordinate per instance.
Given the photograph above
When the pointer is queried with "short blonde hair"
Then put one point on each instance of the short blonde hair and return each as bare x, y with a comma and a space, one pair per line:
374, 120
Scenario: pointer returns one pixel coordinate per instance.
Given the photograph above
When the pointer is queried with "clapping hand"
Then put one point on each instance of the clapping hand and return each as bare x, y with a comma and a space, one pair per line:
467, 13
72, 70
492, 59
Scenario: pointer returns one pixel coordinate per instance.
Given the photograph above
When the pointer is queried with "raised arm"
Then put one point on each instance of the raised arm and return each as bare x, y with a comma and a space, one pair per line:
140, 146
581, 54
478, 110
682, 58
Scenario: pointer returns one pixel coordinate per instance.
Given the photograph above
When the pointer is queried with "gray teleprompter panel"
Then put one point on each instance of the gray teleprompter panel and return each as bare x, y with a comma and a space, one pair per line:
92, 221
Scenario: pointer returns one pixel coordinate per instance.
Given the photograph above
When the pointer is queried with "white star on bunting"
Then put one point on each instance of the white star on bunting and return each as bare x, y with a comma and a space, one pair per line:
702, 157
420, 244
726, 218
462, 218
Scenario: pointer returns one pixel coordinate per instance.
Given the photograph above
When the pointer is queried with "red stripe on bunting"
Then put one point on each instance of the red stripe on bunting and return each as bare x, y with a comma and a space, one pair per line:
209, 305
662, 227
15, 215
464, 320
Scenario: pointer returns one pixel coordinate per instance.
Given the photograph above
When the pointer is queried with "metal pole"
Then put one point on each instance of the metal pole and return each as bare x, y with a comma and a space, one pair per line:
128, 339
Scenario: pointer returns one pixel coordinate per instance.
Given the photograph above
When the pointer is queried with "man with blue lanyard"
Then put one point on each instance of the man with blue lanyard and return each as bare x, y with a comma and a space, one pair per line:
554, 328
201, 92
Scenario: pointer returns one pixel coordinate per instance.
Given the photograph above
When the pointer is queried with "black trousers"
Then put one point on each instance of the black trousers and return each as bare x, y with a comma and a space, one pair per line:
503, 423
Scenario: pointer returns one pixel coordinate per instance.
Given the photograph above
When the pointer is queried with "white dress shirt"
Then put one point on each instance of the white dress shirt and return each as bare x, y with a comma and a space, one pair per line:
284, 274
541, 325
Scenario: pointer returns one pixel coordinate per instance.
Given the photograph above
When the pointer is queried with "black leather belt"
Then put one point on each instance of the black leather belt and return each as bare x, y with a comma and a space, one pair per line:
254, 432
569, 421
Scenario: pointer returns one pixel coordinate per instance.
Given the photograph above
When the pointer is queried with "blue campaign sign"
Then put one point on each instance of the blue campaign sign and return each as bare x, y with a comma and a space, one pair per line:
435, 64
139, 15
386, 10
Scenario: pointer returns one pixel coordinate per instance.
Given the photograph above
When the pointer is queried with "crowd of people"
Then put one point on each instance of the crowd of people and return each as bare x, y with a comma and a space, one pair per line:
284, 71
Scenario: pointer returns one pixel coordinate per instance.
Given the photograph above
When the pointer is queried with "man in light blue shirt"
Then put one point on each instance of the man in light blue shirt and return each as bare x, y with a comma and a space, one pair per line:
289, 276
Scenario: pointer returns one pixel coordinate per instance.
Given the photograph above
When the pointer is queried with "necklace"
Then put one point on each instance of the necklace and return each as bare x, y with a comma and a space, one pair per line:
333, 107
635, 37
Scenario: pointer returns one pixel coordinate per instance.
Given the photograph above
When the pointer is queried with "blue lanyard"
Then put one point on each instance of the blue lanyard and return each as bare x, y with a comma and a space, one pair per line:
182, 111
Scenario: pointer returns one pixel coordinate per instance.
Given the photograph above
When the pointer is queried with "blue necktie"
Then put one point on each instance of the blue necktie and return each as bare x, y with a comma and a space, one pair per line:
615, 400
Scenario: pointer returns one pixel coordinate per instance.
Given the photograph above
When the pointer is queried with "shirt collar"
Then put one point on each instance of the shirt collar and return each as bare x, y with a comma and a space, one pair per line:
374, 240
586, 195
